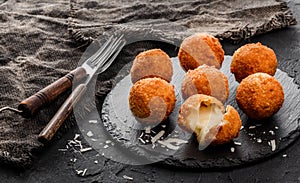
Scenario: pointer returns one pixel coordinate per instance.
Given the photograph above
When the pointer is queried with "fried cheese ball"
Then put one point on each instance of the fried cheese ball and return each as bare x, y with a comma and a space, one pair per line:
253, 58
205, 80
152, 100
260, 96
200, 49
151, 63
206, 117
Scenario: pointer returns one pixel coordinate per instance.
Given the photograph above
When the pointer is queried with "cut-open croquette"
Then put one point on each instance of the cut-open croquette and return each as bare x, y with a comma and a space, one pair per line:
200, 49
151, 100
206, 117
151, 63
260, 96
253, 58
205, 80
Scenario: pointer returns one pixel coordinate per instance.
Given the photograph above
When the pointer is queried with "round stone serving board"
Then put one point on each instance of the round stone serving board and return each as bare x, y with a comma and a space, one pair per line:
253, 144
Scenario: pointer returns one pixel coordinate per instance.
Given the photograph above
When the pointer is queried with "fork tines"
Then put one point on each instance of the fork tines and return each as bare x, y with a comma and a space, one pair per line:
108, 52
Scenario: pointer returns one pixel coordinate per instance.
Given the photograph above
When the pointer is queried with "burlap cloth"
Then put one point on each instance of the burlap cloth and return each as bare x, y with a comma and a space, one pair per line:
41, 41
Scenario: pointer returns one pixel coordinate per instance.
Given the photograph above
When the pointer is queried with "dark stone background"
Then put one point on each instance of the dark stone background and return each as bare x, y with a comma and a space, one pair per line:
55, 166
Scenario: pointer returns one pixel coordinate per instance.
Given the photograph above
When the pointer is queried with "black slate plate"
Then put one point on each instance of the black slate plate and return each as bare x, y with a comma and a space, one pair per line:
283, 127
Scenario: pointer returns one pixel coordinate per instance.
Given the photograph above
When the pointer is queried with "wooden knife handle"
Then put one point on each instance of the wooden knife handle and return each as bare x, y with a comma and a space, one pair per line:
45, 96
61, 115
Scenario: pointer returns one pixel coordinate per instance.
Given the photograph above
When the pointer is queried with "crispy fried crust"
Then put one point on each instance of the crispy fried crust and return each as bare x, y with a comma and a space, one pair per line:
196, 47
151, 63
253, 58
205, 80
260, 96
215, 45
231, 126
152, 96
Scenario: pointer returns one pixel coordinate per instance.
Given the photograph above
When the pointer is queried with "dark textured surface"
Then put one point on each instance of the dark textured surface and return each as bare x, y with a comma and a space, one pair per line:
41, 41
55, 166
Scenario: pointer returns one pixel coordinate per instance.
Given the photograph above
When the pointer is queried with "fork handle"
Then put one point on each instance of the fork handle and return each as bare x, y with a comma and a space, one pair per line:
61, 115
30, 105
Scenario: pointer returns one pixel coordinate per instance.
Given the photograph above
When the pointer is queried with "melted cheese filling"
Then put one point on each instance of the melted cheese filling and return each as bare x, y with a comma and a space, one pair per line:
205, 120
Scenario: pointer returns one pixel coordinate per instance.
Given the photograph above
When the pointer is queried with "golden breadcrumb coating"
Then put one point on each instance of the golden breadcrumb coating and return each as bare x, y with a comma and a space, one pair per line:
152, 100
151, 63
205, 116
215, 45
253, 58
230, 128
205, 80
200, 49
260, 96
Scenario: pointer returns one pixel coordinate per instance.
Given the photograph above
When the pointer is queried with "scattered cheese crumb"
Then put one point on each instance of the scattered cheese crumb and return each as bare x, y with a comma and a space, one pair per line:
78, 171
83, 173
93, 121
140, 139
259, 140
141, 135
284, 155
272, 132
252, 127
106, 146
73, 160
157, 136
127, 177
232, 149
276, 127
237, 143
164, 126
89, 134
96, 161
242, 127
76, 136
108, 141
168, 143
85, 149
273, 145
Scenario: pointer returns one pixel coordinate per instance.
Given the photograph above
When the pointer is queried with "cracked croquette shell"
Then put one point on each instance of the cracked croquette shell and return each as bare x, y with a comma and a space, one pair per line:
151, 63
253, 58
205, 80
200, 49
206, 117
152, 100
260, 96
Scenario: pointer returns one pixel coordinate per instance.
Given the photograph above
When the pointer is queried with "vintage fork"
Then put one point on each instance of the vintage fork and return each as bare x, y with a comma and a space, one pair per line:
101, 62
